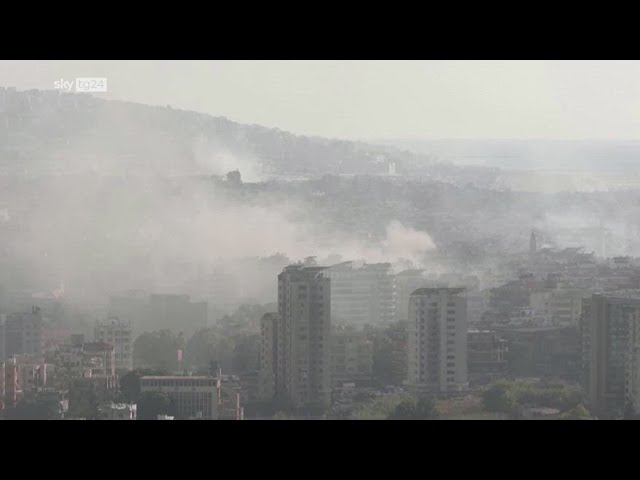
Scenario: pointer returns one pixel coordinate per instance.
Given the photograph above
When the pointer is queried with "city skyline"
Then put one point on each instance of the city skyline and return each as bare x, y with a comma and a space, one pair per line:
158, 263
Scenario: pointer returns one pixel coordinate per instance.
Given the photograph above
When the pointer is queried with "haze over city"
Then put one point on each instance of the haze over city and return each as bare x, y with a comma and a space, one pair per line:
335, 240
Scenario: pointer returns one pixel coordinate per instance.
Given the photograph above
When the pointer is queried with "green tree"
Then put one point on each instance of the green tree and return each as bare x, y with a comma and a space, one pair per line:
577, 413
410, 409
130, 386
426, 409
130, 383
247, 314
156, 349
405, 410
34, 408
207, 345
499, 398
152, 404
282, 416
261, 408
202, 348
559, 396
378, 408
83, 401
246, 353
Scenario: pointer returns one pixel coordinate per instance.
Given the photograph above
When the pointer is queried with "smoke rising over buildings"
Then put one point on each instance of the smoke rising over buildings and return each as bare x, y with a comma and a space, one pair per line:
271, 273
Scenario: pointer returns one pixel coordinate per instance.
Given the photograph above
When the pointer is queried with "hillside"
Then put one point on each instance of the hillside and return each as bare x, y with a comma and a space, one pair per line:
53, 132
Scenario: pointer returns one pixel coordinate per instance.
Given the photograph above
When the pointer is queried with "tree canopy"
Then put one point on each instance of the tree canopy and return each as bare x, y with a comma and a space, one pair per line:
36, 407
130, 383
156, 349
412, 409
152, 404
499, 398
506, 396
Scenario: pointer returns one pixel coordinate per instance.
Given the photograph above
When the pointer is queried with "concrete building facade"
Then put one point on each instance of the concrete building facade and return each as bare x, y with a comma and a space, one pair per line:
407, 282
361, 293
610, 333
192, 396
351, 357
303, 336
486, 356
119, 334
23, 333
268, 359
437, 341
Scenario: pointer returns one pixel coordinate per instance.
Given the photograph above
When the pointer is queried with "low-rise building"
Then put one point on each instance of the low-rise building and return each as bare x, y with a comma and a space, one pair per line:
190, 395
33, 372
486, 357
230, 398
86, 359
117, 333
544, 352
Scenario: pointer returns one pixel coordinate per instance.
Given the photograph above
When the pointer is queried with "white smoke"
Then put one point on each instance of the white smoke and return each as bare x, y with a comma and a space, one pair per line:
215, 159
406, 242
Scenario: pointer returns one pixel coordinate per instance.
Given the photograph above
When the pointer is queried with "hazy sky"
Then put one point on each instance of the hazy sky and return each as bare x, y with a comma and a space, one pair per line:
377, 99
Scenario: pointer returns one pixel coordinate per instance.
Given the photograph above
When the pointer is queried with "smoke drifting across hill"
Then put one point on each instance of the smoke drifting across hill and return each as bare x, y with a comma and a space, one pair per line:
109, 223
109, 196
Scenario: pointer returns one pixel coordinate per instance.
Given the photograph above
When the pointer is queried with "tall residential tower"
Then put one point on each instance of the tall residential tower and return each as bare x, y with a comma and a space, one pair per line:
302, 337
437, 341
610, 329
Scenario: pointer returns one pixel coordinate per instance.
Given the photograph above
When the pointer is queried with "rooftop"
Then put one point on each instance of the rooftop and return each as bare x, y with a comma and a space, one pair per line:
431, 291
